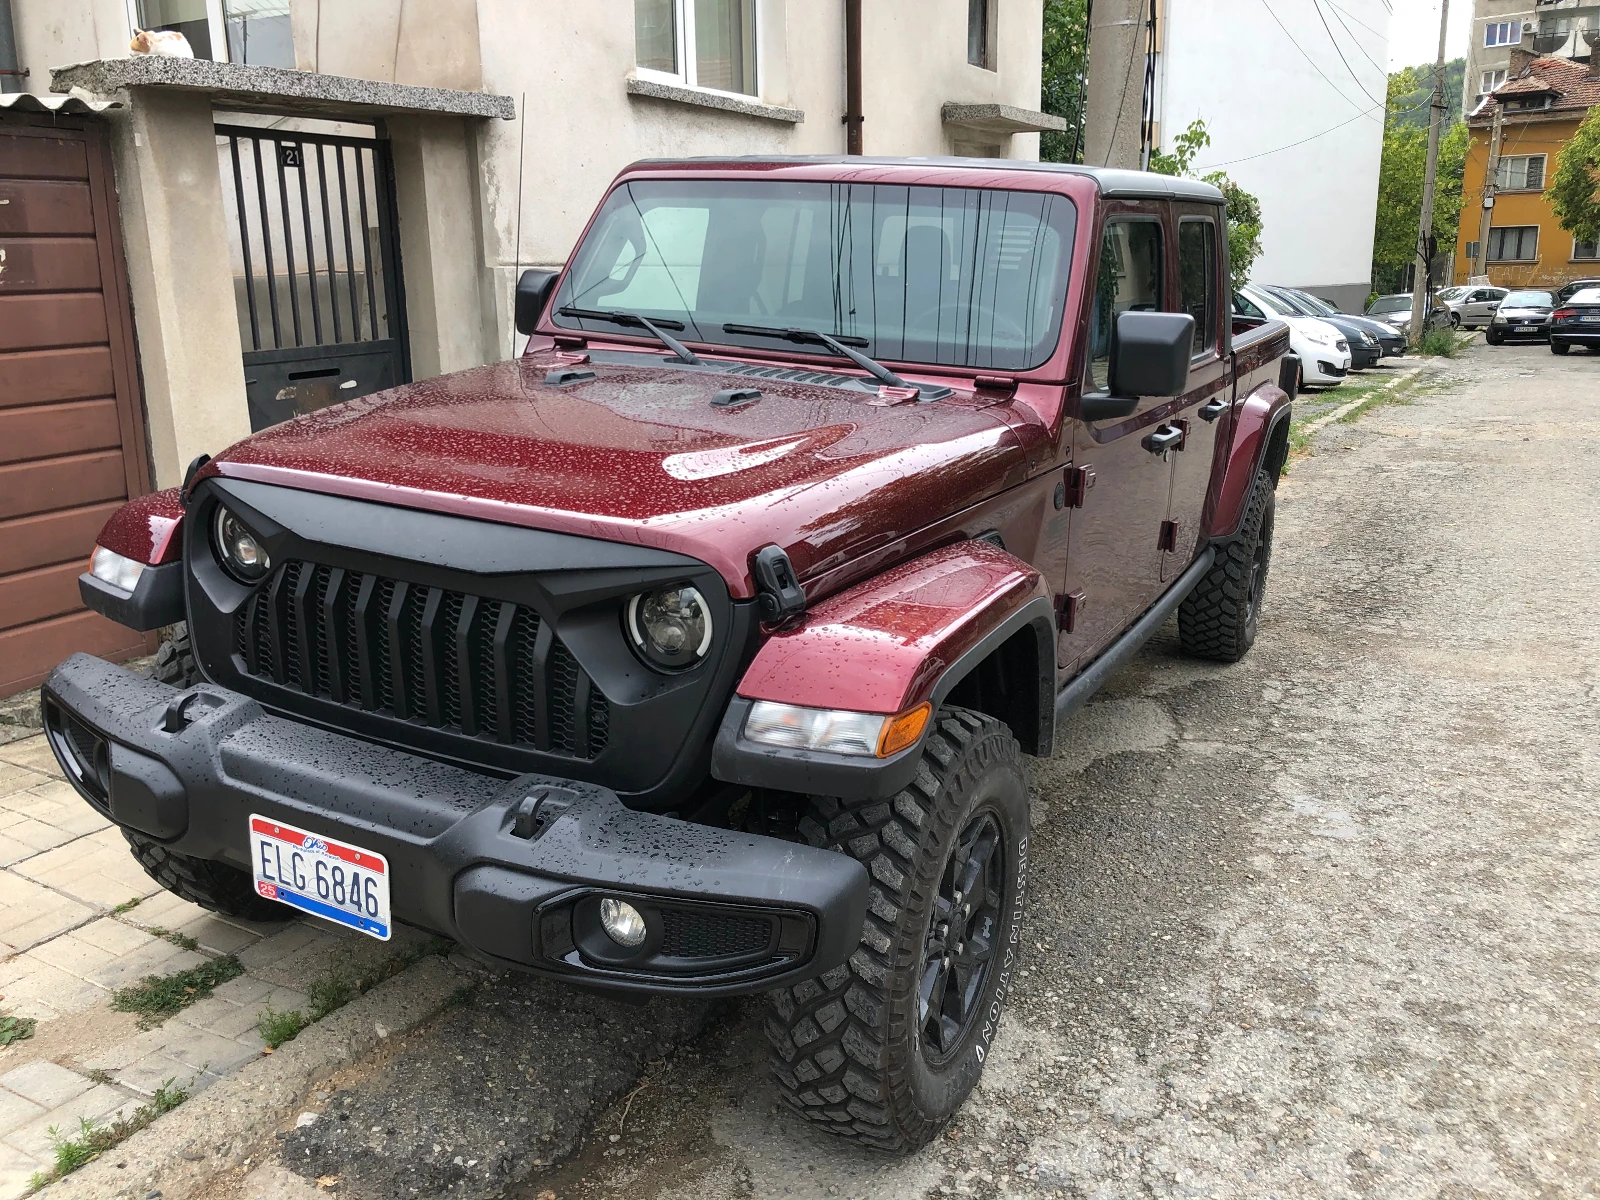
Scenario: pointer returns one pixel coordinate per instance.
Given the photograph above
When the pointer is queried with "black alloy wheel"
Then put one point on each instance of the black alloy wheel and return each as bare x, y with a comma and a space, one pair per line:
958, 948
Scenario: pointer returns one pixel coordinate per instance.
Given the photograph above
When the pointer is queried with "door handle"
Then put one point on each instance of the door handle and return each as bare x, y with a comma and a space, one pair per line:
1212, 410
1163, 439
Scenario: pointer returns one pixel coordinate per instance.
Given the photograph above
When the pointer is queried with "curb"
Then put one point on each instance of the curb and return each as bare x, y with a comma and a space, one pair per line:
1328, 418
181, 1152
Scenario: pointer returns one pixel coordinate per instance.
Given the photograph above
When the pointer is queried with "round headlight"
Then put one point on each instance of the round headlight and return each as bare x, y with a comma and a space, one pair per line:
670, 628
237, 548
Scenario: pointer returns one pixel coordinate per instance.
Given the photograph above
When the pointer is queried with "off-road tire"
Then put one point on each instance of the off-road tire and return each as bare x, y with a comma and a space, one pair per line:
217, 886
848, 1050
1217, 620
175, 660
1560, 348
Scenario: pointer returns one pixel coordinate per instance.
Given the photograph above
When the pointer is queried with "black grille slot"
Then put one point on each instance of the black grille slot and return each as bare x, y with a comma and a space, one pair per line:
438, 657
711, 935
822, 378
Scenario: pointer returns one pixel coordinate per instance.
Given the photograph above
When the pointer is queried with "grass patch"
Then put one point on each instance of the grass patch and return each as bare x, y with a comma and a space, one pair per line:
93, 1139
1441, 343
15, 1029
276, 1027
158, 997
126, 906
173, 936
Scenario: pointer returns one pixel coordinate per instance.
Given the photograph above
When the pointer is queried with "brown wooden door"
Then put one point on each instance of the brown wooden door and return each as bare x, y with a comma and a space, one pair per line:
71, 434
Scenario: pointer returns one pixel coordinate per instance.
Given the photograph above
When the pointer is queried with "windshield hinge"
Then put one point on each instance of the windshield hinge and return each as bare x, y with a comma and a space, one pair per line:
777, 587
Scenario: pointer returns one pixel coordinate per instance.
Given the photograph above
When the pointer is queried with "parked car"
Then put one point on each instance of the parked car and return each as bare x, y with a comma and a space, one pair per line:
1566, 291
1396, 310
1390, 340
1471, 307
1322, 351
1576, 322
1522, 315
1365, 350
707, 667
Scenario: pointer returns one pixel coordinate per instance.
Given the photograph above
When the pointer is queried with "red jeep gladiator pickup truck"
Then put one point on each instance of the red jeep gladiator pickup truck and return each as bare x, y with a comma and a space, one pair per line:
697, 650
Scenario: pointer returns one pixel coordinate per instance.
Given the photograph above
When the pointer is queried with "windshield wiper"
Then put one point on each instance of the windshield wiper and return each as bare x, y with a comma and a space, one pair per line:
840, 346
681, 352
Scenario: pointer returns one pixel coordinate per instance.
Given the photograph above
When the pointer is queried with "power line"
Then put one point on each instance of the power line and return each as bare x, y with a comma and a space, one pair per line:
1291, 145
1357, 20
1306, 56
1354, 41
1326, 29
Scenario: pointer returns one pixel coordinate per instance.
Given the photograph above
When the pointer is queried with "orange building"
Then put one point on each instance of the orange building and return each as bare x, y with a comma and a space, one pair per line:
1541, 104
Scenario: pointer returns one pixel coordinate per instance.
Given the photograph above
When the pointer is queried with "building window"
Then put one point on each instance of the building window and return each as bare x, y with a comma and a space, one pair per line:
1585, 250
255, 32
1520, 172
1514, 243
980, 33
1491, 80
699, 43
1502, 33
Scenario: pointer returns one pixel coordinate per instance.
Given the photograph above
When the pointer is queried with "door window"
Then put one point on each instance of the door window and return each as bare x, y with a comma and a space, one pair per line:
1197, 279
1129, 281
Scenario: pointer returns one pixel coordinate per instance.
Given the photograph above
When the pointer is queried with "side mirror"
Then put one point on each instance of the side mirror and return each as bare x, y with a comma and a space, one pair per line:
1150, 354
533, 293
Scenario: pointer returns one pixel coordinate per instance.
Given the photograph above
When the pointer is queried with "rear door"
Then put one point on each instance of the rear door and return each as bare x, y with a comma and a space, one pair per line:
1121, 488
71, 442
1197, 271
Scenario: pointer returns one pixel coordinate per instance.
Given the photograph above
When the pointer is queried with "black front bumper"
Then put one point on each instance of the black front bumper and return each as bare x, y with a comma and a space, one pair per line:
514, 870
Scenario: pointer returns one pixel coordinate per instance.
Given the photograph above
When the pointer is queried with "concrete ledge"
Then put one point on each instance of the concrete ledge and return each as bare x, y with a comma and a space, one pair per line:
1000, 118
274, 89
181, 1153
747, 107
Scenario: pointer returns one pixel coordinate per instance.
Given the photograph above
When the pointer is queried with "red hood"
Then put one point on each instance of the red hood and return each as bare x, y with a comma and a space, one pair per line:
640, 455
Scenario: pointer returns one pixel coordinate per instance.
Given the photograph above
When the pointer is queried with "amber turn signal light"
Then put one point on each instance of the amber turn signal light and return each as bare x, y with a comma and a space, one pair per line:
903, 730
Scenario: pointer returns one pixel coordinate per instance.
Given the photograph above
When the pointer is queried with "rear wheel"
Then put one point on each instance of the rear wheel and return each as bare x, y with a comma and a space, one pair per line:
1559, 347
884, 1049
1455, 320
1218, 618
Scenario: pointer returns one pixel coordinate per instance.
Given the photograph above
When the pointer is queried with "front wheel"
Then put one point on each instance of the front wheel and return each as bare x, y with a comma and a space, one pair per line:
884, 1049
1493, 338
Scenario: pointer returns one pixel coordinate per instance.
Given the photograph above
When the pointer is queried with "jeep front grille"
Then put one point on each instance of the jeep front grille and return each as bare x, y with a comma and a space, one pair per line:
447, 659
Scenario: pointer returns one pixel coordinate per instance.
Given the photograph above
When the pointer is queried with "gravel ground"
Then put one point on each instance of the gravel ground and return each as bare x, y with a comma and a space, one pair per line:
1320, 924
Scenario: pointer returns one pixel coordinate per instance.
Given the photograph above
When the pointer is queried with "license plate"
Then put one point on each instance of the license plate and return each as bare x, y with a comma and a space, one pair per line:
321, 876
1525, 329
1590, 320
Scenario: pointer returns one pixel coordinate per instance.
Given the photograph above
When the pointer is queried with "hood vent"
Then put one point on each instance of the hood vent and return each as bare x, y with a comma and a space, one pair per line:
820, 378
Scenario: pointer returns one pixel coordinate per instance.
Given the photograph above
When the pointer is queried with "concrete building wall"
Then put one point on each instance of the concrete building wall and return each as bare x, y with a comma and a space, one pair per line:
53, 32
1481, 57
1302, 131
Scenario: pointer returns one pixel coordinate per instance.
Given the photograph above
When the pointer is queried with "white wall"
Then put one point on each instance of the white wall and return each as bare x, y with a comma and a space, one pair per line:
1228, 63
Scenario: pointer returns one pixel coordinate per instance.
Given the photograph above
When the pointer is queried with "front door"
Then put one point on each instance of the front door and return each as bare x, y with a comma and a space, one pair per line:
1202, 410
1121, 486
316, 268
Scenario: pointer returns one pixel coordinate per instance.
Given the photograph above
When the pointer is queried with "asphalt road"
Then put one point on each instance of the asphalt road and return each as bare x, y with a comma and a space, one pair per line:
1325, 923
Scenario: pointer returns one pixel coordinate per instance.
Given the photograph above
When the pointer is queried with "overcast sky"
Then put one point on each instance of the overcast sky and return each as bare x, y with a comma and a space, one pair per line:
1414, 31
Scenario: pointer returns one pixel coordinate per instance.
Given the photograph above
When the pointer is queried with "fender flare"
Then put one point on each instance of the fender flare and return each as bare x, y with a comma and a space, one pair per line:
1260, 438
149, 530
910, 635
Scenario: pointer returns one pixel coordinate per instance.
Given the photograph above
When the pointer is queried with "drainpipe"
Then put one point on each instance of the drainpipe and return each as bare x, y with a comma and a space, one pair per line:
10, 76
852, 76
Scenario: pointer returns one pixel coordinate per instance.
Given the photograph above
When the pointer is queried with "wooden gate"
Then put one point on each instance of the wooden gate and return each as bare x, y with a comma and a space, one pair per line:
72, 444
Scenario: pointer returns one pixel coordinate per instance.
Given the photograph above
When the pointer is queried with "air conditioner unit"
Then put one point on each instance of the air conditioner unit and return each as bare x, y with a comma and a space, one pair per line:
1528, 27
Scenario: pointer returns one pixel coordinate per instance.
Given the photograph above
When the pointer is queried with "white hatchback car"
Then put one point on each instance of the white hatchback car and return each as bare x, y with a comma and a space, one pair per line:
1322, 350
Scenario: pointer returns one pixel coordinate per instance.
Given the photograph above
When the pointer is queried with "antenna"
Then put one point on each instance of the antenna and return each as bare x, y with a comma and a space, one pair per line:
516, 270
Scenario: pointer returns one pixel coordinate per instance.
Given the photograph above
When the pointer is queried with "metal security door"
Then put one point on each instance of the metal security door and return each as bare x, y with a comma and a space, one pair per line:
316, 268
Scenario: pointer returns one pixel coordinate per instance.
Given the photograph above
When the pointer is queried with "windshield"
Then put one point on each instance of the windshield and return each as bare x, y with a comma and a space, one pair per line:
1588, 295
962, 276
1295, 303
1318, 305
1529, 300
1387, 304
1272, 304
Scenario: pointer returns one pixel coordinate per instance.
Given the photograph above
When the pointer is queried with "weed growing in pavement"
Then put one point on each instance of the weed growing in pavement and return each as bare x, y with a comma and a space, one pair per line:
94, 1139
276, 1027
332, 992
125, 906
158, 997
15, 1029
173, 936
1441, 343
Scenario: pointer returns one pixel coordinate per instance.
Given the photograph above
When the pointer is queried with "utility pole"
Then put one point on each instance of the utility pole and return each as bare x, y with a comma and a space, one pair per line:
1491, 178
1419, 285
1114, 113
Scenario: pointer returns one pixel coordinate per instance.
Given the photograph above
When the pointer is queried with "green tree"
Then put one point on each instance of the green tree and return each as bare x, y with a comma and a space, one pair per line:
1573, 184
1065, 63
1400, 177
1411, 89
1243, 209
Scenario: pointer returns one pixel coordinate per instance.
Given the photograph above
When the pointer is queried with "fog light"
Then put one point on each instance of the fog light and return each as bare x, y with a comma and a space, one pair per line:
623, 923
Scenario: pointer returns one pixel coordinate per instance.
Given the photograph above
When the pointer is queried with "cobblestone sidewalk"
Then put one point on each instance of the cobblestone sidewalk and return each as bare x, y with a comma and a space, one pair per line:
79, 919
